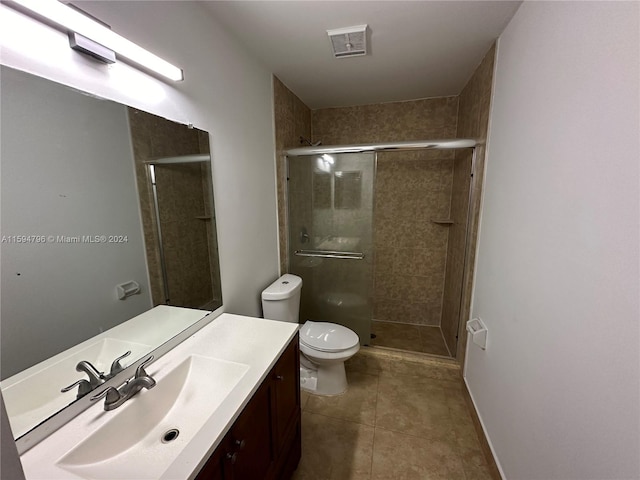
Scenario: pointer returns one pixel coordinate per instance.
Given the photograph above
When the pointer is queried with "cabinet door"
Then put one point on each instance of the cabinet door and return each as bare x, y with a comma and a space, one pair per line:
286, 380
251, 451
264, 442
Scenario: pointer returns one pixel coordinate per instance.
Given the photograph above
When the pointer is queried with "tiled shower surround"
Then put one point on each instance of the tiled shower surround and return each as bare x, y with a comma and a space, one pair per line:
421, 197
473, 122
292, 121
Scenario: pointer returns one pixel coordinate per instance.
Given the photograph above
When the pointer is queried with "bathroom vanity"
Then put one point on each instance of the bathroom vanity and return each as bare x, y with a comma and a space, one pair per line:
264, 442
226, 405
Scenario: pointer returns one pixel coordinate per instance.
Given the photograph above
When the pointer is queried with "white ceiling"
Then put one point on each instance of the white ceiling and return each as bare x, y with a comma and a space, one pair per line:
418, 49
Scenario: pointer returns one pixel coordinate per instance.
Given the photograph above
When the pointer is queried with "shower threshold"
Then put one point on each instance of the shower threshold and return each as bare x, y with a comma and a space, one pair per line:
409, 337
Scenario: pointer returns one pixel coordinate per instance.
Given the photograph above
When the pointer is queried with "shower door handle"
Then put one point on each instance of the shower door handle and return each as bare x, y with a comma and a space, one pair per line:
329, 254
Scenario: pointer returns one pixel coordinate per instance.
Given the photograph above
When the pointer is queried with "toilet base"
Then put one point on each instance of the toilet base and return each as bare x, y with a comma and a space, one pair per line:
326, 380
308, 379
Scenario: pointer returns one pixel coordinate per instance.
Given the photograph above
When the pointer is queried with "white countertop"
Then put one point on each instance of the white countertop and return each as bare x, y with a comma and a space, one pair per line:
251, 341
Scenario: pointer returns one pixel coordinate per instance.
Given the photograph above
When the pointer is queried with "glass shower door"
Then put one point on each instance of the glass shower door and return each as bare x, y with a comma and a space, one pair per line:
330, 237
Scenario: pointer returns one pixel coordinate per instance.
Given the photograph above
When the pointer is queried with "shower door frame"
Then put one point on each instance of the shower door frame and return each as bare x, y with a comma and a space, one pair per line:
440, 144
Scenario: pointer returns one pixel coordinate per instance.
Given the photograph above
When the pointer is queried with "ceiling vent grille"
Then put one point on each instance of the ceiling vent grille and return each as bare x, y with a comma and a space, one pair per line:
349, 41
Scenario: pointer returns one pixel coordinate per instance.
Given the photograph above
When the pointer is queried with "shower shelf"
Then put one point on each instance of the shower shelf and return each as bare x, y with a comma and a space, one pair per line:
442, 221
204, 218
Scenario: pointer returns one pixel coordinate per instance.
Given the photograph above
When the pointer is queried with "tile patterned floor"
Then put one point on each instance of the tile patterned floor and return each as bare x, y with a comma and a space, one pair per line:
413, 338
390, 426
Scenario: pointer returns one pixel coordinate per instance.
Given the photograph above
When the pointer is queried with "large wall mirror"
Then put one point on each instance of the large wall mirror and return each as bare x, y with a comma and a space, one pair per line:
106, 213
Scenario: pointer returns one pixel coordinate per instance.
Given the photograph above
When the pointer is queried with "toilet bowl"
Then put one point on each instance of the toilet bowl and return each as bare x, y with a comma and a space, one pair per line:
324, 346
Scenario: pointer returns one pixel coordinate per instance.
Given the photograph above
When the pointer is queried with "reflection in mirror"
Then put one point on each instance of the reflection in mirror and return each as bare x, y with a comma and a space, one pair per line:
78, 220
176, 200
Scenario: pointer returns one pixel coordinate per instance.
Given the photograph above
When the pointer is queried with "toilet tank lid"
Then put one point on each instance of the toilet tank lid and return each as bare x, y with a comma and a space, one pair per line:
284, 287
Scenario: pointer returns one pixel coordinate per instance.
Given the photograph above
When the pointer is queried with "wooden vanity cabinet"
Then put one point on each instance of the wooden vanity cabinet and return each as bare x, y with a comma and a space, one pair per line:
264, 442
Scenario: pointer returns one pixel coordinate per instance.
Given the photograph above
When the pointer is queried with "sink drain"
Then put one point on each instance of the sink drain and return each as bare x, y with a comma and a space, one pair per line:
170, 435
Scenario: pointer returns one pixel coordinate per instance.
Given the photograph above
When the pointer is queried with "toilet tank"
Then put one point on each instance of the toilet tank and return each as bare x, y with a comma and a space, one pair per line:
281, 299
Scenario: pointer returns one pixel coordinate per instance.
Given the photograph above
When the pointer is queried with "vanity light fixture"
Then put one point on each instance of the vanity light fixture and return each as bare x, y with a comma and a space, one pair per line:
88, 46
68, 18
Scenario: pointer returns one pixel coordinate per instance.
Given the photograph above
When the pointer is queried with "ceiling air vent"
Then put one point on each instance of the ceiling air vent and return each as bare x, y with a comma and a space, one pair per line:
349, 41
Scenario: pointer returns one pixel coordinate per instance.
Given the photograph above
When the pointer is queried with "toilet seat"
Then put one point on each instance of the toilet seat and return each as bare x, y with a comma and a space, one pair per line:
327, 337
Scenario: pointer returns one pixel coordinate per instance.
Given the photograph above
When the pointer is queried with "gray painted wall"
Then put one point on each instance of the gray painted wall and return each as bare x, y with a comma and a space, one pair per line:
67, 170
557, 279
10, 466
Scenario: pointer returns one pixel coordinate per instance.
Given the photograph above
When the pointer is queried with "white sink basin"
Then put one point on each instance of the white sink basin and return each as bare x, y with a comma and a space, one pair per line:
34, 394
130, 445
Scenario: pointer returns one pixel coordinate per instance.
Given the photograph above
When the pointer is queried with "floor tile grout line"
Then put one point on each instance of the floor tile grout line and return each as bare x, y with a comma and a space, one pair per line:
420, 437
455, 450
373, 452
342, 419
375, 427
451, 438
375, 410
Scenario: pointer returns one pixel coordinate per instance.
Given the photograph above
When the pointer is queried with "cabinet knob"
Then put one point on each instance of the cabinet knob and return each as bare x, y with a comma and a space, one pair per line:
240, 444
232, 457
280, 377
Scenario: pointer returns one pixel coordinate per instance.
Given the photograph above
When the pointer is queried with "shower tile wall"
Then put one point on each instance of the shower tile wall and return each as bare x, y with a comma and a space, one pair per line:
292, 120
412, 189
184, 236
473, 122
386, 122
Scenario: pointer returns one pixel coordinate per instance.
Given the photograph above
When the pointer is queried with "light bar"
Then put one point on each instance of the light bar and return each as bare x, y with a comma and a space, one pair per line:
70, 19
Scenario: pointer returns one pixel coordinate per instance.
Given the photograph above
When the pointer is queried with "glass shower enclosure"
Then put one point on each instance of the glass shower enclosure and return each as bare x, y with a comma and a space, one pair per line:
330, 217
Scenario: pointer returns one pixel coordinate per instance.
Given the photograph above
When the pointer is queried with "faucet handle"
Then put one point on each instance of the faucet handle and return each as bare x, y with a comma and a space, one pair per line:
73, 385
112, 394
140, 371
83, 385
115, 365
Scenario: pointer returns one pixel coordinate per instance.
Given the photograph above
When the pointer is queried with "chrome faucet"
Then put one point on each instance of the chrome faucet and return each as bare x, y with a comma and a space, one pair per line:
96, 378
114, 397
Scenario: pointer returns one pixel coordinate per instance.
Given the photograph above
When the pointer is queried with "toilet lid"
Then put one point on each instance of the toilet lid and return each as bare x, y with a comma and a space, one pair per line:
327, 337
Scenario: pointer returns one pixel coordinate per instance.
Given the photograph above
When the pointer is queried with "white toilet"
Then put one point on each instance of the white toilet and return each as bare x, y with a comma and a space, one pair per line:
324, 347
